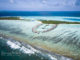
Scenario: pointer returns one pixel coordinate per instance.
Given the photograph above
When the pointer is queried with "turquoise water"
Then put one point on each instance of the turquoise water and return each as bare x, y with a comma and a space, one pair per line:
42, 15
53, 18
12, 49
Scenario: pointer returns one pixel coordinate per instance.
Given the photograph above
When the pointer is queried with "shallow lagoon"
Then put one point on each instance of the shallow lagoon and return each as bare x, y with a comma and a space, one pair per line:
63, 40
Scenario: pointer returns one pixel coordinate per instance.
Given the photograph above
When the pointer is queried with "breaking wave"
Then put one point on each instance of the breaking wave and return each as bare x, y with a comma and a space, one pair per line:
27, 50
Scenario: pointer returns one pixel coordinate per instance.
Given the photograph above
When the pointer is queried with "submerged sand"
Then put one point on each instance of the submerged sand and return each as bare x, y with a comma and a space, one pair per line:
63, 40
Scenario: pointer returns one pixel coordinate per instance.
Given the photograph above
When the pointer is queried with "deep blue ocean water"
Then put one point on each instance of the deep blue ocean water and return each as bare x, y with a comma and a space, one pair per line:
40, 13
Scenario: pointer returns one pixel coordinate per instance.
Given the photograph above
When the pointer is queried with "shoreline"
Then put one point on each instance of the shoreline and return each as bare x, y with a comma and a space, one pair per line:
42, 21
40, 47
62, 49
35, 47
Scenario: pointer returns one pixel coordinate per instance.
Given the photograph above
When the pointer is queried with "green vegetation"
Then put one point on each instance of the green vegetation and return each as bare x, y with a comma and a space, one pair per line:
43, 21
58, 22
13, 18
10, 18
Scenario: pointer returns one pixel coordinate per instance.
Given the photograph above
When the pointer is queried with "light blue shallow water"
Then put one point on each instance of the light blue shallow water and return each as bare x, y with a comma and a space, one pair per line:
56, 18
13, 50
25, 51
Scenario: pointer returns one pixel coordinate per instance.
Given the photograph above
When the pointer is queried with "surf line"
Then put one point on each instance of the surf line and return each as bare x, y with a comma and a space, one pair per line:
44, 29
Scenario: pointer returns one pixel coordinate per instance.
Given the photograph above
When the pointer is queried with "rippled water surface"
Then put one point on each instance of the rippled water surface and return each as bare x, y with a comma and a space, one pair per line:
12, 33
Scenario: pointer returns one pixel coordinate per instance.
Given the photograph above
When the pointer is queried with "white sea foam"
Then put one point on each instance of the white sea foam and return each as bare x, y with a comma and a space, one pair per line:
63, 58
13, 45
51, 57
17, 45
26, 50
31, 48
58, 58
